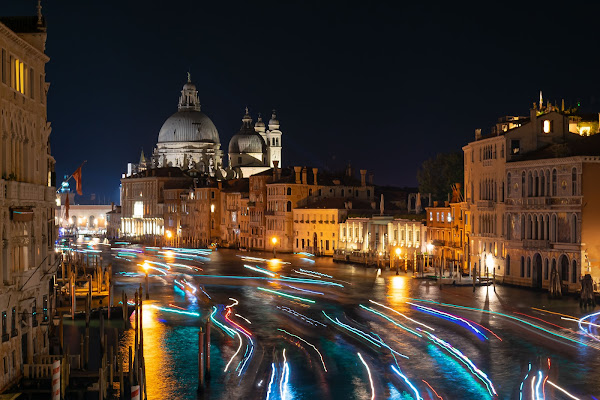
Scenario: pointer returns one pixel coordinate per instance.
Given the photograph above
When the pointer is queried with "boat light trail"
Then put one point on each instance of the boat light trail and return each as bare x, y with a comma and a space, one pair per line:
234, 354
305, 290
399, 325
402, 315
465, 360
370, 377
285, 374
583, 322
301, 316
313, 346
282, 279
239, 316
563, 390
523, 383
306, 254
433, 390
258, 269
176, 311
315, 273
271, 381
537, 387
506, 316
401, 375
224, 328
448, 315
588, 332
286, 295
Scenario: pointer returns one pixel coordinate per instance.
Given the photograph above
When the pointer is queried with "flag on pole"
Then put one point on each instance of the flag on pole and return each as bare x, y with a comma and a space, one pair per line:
77, 177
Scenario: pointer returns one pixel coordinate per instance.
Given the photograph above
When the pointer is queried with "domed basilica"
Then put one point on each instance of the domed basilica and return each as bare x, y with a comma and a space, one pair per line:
190, 141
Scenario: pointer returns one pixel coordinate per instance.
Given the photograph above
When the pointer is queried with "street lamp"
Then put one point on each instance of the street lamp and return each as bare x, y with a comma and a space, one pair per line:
398, 251
274, 241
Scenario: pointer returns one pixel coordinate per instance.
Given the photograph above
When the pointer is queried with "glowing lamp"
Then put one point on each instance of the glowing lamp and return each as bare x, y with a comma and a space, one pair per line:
168, 234
274, 240
398, 251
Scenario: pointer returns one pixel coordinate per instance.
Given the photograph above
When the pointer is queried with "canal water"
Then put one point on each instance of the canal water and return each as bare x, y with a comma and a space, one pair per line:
328, 358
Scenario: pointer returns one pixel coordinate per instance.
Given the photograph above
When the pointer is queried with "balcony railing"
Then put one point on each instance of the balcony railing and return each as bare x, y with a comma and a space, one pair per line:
536, 244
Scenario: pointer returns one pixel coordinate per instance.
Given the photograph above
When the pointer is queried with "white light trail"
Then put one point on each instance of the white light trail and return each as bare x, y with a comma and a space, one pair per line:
370, 377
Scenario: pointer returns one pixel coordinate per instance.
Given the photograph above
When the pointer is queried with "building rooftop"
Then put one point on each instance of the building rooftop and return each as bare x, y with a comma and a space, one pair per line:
573, 145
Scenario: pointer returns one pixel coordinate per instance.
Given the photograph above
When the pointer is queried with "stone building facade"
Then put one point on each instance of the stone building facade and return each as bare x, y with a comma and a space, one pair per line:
524, 186
28, 201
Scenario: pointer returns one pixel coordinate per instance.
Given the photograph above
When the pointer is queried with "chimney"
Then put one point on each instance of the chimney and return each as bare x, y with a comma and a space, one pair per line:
297, 170
446, 203
435, 203
370, 179
220, 184
304, 176
315, 170
478, 134
275, 165
112, 206
363, 177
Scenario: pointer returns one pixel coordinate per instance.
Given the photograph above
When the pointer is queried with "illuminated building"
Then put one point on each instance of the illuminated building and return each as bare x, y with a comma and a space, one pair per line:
28, 199
143, 201
447, 234
85, 219
254, 150
525, 188
316, 226
113, 222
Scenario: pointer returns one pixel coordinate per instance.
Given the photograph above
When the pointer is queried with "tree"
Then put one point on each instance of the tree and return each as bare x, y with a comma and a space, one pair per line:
438, 174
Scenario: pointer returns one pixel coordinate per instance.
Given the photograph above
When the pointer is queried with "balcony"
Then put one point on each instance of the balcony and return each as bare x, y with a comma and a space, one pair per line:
27, 191
485, 204
536, 244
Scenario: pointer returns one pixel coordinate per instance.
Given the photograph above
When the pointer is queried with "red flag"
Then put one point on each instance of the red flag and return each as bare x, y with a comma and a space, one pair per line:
77, 177
67, 208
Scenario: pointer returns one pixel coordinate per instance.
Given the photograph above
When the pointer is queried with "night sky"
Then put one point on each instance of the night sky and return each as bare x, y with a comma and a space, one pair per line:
383, 86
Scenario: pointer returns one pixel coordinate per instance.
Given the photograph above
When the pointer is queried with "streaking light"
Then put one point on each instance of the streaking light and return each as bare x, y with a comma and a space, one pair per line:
448, 315
317, 350
465, 360
402, 315
284, 378
563, 390
391, 320
410, 385
315, 273
370, 377
286, 295
271, 381
194, 314
432, 389
261, 270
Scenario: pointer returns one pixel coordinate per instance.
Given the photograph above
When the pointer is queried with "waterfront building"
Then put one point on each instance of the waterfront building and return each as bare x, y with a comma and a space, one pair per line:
143, 201
316, 225
85, 219
446, 236
524, 190
28, 200
113, 222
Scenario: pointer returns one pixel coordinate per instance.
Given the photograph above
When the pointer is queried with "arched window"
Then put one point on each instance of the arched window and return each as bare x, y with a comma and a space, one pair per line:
529, 184
564, 268
289, 191
310, 192
546, 269
553, 228
522, 267
529, 267
289, 206
554, 183
542, 184
523, 184
574, 181
508, 264
574, 271
536, 184
574, 228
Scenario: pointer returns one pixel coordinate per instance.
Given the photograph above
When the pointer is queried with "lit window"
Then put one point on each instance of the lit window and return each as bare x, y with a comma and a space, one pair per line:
212, 208
449, 218
547, 126
19, 81
430, 215
138, 209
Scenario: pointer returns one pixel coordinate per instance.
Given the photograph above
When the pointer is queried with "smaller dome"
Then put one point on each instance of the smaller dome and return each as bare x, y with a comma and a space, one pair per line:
189, 86
247, 140
259, 122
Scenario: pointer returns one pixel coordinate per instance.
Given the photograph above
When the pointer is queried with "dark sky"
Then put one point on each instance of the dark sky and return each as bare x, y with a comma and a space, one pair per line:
381, 85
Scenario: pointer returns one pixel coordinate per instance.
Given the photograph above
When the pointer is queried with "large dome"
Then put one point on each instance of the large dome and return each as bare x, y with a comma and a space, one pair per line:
188, 126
